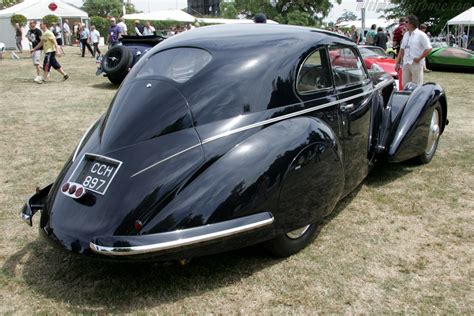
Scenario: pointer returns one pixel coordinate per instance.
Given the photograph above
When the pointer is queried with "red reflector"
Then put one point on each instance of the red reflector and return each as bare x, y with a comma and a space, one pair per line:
65, 187
79, 192
72, 189
138, 225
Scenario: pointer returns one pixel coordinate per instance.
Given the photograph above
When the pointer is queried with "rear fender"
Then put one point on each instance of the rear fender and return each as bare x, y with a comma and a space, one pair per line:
408, 120
247, 179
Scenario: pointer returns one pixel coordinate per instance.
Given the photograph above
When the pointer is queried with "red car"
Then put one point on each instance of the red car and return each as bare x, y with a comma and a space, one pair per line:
376, 59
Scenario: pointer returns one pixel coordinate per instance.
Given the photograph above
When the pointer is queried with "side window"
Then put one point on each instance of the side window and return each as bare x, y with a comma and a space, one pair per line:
314, 73
346, 66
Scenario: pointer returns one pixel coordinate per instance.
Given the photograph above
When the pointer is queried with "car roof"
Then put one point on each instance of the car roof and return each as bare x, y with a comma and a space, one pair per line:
253, 36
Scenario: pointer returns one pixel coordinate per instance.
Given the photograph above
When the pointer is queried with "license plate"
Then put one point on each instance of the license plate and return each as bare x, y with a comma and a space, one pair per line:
95, 172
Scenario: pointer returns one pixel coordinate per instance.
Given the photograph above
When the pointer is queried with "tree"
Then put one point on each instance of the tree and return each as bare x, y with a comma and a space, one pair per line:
50, 19
8, 3
300, 18
347, 16
105, 8
434, 13
228, 10
18, 18
317, 10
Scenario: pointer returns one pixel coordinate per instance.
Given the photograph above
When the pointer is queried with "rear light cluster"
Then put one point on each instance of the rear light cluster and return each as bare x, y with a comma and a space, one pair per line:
74, 190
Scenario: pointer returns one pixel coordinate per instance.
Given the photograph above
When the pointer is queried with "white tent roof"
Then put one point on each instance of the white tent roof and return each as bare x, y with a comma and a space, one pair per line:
465, 18
230, 21
368, 23
162, 15
37, 9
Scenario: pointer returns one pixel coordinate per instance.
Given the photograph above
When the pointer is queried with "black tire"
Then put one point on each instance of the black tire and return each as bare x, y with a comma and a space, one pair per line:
433, 137
114, 80
284, 246
117, 61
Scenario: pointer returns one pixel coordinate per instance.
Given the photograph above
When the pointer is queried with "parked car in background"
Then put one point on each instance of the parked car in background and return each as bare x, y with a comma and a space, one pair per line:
118, 60
451, 59
225, 137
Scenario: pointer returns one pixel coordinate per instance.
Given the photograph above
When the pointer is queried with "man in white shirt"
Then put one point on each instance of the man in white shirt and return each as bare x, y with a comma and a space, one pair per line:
149, 29
415, 47
67, 32
94, 38
123, 26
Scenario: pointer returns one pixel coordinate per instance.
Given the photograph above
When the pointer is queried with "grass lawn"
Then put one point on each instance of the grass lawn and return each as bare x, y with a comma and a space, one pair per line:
403, 242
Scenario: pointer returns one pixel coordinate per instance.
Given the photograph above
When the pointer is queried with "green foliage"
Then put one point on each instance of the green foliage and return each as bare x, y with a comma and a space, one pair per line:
50, 19
300, 18
434, 13
347, 16
228, 10
105, 8
8, 3
18, 18
101, 24
309, 12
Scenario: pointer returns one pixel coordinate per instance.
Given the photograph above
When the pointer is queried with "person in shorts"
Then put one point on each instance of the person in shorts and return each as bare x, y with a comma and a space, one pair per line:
59, 37
51, 50
34, 36
95, 38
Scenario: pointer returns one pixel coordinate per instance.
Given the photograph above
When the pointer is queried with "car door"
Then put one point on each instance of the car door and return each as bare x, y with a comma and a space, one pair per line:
354, 91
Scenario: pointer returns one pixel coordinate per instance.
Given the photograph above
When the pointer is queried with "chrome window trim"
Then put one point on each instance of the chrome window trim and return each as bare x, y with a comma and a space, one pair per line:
331, 86
269, 121
135, 250
82, 140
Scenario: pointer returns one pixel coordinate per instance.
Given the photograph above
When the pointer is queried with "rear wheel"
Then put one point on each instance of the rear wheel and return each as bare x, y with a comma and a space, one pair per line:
292, 242
433, 136
117, 61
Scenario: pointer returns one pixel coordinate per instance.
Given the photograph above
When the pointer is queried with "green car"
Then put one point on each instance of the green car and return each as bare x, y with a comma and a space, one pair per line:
451, 59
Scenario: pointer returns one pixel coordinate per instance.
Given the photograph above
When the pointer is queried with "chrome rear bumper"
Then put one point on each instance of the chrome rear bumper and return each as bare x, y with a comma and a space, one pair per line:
136, 245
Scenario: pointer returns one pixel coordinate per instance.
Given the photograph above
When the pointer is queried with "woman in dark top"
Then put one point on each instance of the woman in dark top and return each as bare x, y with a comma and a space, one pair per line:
381, 39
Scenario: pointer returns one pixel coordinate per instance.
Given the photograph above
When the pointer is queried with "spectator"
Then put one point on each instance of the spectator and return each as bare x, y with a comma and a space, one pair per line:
34, 36
139, 28
95, 38
149, 29
115, 33
84, 38
123, 26
465, 39
18, 37
260, 18
56, 29
370, 38
398, 35
67, 32
355, 36
414, 48
380, 39
48, 42
423, 62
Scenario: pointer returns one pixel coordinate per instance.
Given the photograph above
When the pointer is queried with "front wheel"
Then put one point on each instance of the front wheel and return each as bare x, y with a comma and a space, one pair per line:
292, 242
433, 135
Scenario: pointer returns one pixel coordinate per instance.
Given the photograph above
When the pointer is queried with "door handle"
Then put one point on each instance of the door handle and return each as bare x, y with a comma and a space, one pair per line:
347, 107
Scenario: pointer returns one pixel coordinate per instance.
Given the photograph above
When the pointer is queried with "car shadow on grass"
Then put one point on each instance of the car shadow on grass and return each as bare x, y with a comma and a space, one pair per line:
93, 285
105, 86
384, 172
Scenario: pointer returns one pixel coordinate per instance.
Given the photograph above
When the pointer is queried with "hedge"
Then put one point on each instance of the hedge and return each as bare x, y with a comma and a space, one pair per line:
50, 19
18, 18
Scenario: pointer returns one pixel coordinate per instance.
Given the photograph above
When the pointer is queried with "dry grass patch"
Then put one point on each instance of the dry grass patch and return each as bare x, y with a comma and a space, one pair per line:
403, 242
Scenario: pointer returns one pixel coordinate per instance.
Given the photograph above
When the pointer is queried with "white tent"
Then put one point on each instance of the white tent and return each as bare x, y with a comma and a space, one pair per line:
162, 15
229, 21
464, 19
368, 23
35, 10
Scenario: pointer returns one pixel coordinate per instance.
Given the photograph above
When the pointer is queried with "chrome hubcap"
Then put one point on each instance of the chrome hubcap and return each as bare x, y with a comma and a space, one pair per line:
433, 133
297, 233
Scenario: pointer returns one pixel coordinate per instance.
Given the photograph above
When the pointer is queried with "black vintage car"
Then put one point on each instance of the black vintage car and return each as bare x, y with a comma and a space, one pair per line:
228, 136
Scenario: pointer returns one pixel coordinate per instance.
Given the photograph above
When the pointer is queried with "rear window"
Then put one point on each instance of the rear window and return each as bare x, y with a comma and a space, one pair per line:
178, 64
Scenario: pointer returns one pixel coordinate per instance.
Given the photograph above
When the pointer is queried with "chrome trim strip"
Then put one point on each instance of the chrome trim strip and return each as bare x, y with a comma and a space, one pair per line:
167, 158
269, 121
80, 142
135, 250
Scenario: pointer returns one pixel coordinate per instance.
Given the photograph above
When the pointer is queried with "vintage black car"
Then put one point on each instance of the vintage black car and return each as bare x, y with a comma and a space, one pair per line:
228, 136
118, 60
